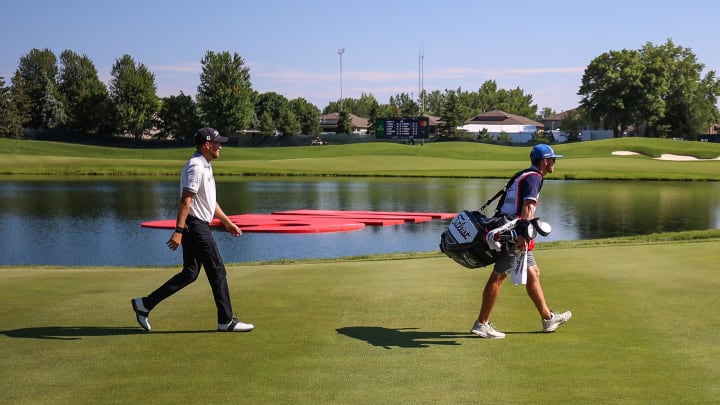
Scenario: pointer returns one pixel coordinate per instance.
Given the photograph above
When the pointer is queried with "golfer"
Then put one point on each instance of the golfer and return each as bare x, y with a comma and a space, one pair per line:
520, 202
192, 231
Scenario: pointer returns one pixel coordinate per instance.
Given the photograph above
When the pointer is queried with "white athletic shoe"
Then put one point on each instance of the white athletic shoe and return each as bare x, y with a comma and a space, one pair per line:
141, 313
486, 330
556, 319
235, 326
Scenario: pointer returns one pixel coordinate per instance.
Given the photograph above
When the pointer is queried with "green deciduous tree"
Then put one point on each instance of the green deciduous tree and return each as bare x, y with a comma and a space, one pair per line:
86, 99
657, 89
267, 125
132, 91
288, 124
334, 106
687, 101
704, 111
225, 95
488, 98
287, 117
405, 105
178, 117
515, 101
573, 124
434, 102
366, 106
611, 89
274, 105
463, 105
545, 112
471, 103
307, 115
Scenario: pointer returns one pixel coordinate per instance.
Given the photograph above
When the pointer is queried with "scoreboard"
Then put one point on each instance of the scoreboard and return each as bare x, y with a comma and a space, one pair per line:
402, 128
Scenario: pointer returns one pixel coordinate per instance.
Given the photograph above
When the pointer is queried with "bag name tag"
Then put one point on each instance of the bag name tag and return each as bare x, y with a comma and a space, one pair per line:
462, 229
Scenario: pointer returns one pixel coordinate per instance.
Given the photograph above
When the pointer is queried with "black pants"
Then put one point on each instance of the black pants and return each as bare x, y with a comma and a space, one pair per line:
199, 249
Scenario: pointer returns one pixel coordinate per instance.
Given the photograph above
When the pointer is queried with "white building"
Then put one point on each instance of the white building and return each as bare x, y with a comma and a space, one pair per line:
520, 129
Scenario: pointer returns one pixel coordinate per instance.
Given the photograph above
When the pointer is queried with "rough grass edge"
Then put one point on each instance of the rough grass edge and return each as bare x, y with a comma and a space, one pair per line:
650, 239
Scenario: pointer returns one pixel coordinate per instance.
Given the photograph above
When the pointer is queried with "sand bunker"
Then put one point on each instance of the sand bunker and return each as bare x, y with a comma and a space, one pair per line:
681, 158
664, 156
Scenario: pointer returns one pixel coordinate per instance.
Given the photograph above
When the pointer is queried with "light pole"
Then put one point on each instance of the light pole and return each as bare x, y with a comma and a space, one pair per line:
340, 52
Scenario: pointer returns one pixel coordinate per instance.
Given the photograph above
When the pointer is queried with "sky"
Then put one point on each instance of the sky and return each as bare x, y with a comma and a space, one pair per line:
390, 47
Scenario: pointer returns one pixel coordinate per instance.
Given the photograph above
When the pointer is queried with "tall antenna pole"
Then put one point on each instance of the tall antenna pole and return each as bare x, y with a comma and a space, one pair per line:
422, 80
419, 76
340, 52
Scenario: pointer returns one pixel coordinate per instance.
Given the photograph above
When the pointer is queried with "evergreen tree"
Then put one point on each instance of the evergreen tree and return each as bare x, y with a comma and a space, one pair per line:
49, 111
10, 120
451, 115
36, 73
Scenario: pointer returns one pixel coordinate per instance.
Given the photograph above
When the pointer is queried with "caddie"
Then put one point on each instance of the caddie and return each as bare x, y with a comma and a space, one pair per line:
520, 201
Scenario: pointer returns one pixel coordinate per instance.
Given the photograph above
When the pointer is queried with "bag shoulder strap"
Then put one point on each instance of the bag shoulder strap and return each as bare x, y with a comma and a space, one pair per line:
503, 191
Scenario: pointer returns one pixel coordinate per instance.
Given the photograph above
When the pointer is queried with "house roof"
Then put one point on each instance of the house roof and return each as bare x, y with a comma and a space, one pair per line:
434, 121
559, 116
497, 117
331, 120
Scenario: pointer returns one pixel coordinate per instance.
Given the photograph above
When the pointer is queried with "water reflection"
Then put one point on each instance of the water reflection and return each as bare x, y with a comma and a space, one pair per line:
96, 222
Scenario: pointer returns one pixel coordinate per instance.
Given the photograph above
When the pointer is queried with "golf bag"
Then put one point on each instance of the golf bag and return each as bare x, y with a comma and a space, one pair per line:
465, 239
475, 240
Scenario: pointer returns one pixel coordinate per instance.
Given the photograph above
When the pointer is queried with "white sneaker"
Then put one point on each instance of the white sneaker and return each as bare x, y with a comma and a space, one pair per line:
486, 330
235, 326
549, 325
141, 313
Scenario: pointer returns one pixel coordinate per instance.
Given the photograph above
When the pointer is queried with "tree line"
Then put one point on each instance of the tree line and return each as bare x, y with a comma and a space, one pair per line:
657, 91
654, 91
45, 95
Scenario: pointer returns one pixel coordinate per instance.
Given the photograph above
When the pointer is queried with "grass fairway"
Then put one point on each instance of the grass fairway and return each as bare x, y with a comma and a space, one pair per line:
583, 160
645, 329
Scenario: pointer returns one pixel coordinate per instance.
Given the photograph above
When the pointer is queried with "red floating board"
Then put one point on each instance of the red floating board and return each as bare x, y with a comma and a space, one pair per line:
365, 219
315, 221
420, 216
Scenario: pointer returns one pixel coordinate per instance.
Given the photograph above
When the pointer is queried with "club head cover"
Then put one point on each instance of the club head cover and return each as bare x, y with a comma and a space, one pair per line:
541, 227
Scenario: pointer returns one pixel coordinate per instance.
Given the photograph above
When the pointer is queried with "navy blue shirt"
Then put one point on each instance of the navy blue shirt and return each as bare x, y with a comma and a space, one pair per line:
526, 187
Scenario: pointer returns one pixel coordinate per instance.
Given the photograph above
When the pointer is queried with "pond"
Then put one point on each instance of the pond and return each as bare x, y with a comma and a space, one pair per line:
96, 222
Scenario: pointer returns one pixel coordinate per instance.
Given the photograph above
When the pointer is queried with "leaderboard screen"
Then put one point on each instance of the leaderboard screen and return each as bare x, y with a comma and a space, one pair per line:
402, 128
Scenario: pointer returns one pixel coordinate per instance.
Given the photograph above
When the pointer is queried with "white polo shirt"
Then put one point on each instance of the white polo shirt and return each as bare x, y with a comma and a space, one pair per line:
197, 177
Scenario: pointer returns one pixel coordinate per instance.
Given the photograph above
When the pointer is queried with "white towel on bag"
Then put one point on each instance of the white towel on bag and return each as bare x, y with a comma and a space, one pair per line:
518, 275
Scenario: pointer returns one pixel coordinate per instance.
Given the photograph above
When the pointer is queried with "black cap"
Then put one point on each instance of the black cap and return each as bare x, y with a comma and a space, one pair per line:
208, 134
